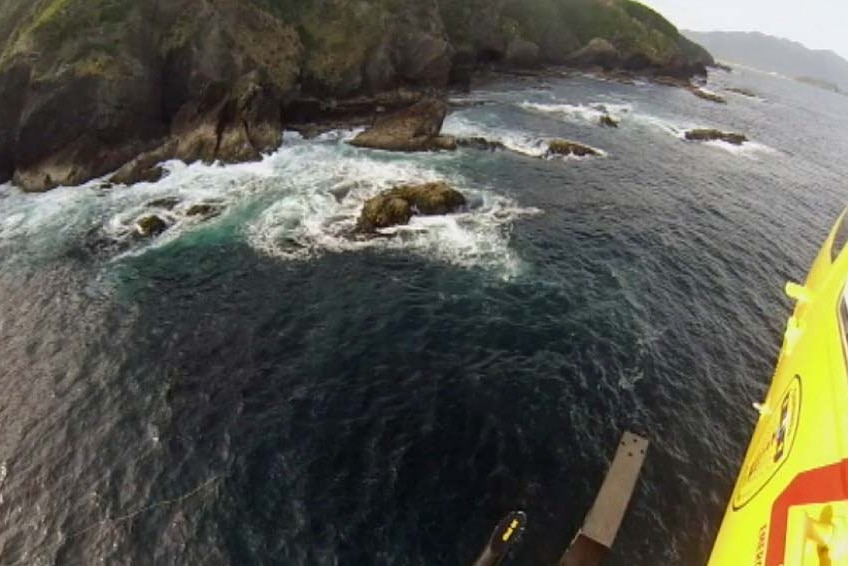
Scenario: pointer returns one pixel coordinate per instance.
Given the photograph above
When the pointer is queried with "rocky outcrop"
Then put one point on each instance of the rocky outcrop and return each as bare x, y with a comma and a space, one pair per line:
566, 148
398, 205
230, 125
709, 134
414, 129
706, 95
145, 167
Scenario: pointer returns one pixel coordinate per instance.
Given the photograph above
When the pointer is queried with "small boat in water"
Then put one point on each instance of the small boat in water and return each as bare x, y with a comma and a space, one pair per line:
790, 503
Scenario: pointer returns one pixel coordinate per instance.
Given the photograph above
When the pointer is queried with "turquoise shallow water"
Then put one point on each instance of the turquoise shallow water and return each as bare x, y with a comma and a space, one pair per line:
259, 389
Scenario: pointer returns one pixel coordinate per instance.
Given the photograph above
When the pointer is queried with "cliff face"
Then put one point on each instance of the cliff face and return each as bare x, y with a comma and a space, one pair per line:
88, 85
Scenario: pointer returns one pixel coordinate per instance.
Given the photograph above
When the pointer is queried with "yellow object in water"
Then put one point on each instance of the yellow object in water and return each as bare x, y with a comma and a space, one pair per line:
790, 503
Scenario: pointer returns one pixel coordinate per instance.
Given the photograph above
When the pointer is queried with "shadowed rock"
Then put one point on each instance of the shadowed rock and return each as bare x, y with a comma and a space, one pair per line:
715, 135
480, 143
608, 121
522, 53
397, 206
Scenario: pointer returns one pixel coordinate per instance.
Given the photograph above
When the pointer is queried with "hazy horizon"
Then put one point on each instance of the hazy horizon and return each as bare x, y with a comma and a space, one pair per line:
815, 23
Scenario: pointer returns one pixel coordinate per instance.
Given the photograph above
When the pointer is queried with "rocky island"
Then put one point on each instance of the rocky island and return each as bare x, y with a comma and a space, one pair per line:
91, 87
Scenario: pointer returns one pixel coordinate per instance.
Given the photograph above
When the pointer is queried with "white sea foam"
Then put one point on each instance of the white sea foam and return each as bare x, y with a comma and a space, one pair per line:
707, 91
749, 149
315, 210
665, 125
676, 128
25, 215
582, 112
300, 202
523, 142
459, 125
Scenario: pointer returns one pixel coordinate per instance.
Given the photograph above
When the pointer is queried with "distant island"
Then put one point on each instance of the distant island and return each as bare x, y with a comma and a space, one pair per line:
91, 85
821, 68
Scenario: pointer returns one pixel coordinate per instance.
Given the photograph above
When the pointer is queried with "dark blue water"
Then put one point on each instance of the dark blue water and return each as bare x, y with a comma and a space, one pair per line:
257, 389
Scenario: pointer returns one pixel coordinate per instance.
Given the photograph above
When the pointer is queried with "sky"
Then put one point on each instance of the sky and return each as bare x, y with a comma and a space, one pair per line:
818, 24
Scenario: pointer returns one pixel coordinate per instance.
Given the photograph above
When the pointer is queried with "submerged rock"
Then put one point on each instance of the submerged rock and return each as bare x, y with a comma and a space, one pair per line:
206, 210
566, 147
142, 175
707, 95
608, 121
709, 134
397, 206
743, 91
480, 143
413, 129
150, 225
168, 203
144, 167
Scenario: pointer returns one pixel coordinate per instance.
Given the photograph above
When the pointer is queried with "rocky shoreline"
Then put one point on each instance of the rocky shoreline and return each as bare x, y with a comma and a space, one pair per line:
88, 91
242, 123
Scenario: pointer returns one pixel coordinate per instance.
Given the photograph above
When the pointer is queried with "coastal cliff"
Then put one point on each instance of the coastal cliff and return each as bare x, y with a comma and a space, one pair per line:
93, 86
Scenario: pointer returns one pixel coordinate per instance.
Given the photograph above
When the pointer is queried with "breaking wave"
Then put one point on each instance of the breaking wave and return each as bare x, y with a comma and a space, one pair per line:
581, 112
297, 203
518, 141
315, 211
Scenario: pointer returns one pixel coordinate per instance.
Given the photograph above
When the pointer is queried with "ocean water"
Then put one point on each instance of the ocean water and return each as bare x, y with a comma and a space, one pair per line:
259, 388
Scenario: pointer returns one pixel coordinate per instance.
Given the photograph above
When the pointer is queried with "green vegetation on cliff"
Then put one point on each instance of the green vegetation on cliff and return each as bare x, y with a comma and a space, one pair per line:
338, 37
562, 26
